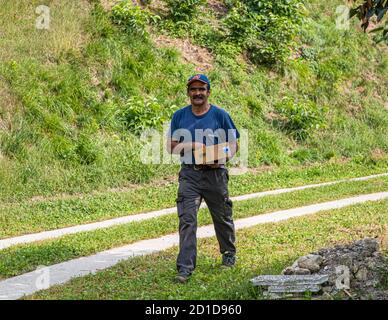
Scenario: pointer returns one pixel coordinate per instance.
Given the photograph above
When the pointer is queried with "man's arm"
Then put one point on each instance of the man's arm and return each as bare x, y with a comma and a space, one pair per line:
174, 147
233, 149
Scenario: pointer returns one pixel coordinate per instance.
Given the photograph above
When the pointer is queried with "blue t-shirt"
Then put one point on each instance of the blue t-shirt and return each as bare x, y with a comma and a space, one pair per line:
214, 127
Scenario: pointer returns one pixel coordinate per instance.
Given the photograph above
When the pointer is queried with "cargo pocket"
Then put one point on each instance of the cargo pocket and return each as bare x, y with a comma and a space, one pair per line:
228, 205
180, 206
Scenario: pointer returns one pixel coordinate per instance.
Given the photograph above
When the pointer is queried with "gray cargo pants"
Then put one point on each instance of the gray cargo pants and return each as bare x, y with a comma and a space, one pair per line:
212, 186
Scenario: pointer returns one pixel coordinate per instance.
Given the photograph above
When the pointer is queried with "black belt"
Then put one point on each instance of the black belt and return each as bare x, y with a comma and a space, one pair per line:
202, 166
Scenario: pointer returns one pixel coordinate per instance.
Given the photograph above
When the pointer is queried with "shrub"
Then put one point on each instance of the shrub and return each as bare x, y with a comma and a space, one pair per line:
63, 148
13, 144
299, 119
87, 150
132, 17
304, 155
266, 29
184, 10
138, 114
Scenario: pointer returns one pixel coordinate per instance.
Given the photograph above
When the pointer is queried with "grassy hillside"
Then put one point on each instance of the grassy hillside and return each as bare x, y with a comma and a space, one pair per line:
75, 97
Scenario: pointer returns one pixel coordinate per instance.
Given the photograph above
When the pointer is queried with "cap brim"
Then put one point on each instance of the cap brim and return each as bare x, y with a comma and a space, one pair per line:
190, 82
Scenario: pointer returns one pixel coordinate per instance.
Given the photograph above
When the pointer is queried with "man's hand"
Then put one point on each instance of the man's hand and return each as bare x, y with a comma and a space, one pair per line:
174, 147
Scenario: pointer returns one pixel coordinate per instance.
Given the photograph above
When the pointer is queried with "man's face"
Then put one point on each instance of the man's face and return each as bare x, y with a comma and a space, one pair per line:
198, 93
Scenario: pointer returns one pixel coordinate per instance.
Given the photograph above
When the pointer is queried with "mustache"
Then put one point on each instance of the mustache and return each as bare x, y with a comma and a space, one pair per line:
198, 96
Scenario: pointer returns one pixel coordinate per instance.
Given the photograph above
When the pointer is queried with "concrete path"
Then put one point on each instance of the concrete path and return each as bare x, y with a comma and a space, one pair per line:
29, 238
26, 284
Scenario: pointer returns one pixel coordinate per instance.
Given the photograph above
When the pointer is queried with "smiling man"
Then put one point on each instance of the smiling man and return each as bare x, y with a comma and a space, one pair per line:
193, 127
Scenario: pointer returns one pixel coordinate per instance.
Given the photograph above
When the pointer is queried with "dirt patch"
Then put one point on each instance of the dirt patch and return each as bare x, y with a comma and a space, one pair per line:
198, 56
378, 154
158, 7
218, 7
354, 109
108, 4
261, 169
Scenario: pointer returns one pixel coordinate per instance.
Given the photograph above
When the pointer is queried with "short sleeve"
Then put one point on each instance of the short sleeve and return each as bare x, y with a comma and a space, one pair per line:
173, 127
232, 133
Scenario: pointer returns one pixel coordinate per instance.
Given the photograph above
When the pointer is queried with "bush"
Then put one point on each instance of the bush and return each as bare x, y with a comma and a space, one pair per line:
87, 150
299, 119
13, 144
138, 114
266, 29
132, 17
184, 10
304, 155
63, 148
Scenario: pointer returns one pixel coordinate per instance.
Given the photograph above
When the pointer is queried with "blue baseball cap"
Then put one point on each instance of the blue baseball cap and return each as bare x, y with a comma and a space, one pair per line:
201, 78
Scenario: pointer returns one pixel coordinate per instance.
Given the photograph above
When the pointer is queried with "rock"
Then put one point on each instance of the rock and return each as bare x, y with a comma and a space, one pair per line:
370, 263
311, 262
278, 280
301, 271
371, 244
324, 269
362, 274
345, 260
288, 271
294, 288
296, 270
355, 267
272, 296
371, 283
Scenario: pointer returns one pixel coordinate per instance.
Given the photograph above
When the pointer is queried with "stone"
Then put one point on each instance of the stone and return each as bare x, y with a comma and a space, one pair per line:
311, 262
370, 263
366, 271
345, 260
301, 271
294, 288
271, 295
355, 267
277, 280
371, 244
362, 274
288, 271
296, 270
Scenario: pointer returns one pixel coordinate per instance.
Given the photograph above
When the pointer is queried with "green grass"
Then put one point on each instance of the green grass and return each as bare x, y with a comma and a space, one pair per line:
29, 217
24, 258
263, 249
66, 90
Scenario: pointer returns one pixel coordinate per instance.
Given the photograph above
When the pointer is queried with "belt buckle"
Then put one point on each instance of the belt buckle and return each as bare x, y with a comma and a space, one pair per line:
196, 167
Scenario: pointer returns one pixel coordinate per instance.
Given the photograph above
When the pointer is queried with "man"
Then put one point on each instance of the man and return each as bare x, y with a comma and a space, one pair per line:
194, 127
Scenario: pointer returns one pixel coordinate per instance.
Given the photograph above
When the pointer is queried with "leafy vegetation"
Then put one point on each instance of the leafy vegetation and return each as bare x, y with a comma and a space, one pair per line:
263, 249
77, 96
300, 119
133, 18
24, 258
369, 9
